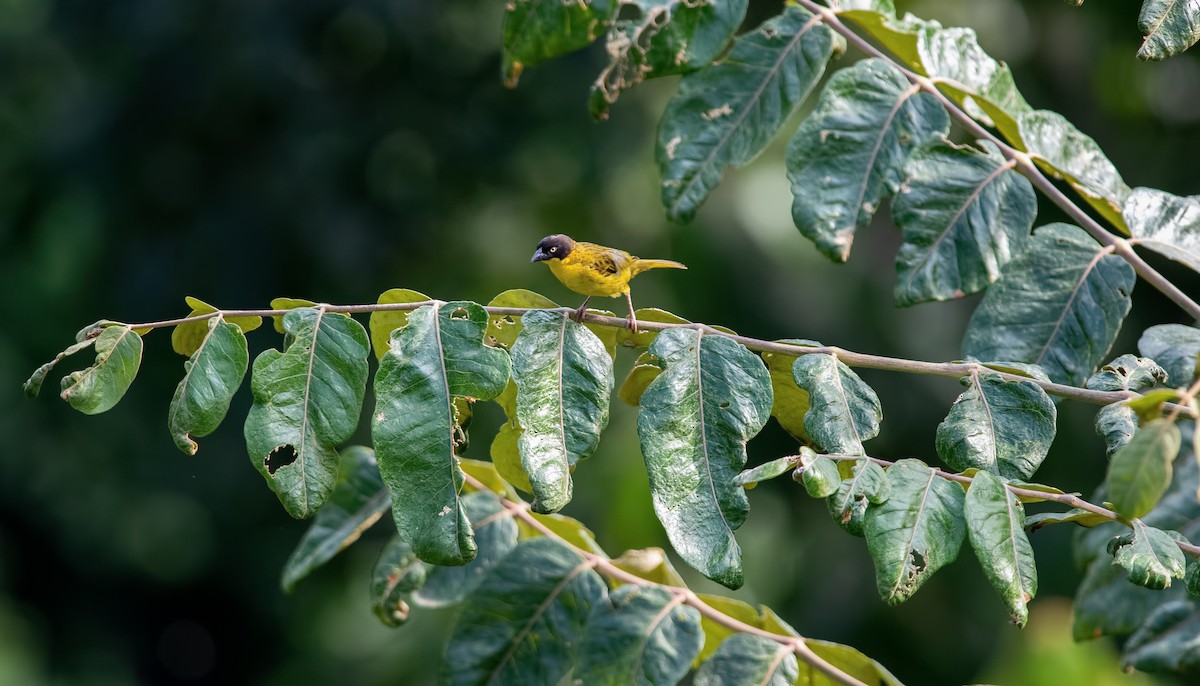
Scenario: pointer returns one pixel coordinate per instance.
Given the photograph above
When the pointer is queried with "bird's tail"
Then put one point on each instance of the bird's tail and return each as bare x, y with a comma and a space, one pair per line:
639, 265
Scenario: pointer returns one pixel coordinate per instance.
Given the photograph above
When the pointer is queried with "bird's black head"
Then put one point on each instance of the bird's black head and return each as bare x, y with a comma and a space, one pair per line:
551, 247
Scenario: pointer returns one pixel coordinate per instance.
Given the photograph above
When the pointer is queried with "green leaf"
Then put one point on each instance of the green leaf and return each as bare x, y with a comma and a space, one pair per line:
1031, 371
1169, 27
1166, 641
1074, 516
850, 152
384, 322
397, 573
439, 356
1059, 305
663, 37
712, 396
727, 113
307, 399
818, 473
188, 336
101, 386
1063, 151
210, 378
1005, 427
1128, 373
570, 530
1140, 472
526, 621
995, 527
642, 635
1191, 579
488, 476
651, 564
358, 501
745, 659
1150, 555
964, 215
844, 411
881, 6
866, 484
539, 30
847, 659
503, 450
791, 401
33, 385
504, 329
645, 369
287, 304
495, 537
1037, 488
564, 379
644, 338
916, 531
768, 470
715, 634
1167, 224
1175, 347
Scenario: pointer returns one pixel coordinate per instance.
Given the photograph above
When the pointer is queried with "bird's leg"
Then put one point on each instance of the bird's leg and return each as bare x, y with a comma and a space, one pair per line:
578, 316
632, 321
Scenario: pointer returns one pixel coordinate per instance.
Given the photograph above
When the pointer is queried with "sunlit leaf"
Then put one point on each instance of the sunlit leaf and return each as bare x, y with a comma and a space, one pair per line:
1175, 347
643, 635
1169, 28
1165, 223
187, 337
843, 410
1140, 472
571, 530
495, 537
651, 564
384, 322
995, 527
505, 328
791, 401
211, 376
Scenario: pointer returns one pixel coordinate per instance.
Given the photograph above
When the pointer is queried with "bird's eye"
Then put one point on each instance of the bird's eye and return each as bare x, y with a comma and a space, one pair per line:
554, 249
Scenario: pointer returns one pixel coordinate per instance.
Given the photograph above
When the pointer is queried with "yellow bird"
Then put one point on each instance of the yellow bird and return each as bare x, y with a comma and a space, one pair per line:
592, 269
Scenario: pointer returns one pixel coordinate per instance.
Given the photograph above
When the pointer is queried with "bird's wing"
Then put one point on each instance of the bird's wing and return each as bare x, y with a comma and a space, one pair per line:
609, 262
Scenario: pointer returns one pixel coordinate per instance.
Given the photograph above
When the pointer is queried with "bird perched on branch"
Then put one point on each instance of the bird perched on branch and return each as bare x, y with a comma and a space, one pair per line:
592, 269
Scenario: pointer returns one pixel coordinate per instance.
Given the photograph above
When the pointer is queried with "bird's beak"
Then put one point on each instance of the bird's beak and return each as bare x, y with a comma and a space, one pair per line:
539, 255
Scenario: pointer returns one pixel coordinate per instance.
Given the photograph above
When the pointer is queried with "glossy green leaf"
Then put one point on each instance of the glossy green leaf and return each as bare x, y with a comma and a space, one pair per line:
1165, 223
727, 113
712, 396
307, 399
437, 357
1067, 153
1169, 640
384, 322
818, 473
850, 660
101, 386
995, 526
791, 401
844, 411
768, 470
187, 338
358, 501
1129, 373
1169, 28
1140, 472
1059, 305
1074, 516
645, 369
1150, 555
539, 30
524, 624
564, 379
211, 376
33, 385
850, 152
662, 37
643, 635
1116, 424
397, 573
1175, 347
495, 537
746, 659
964, 215
651, 564
1005, 427
916, 531
867, 484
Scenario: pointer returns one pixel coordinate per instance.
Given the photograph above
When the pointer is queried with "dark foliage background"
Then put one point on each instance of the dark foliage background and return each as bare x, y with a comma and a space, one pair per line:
239, 151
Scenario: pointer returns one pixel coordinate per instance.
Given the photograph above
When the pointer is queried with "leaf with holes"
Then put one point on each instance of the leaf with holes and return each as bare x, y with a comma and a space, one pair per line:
438, 357
539, 30
1140, 472
1169, 28
1059, 305
358, 501
526, 620
916, 531
964, 215
995, 527
211, 376
307, 399
1150, 555
1167, 224
1129, 373
564, 379
866, 484
850, 152
397, 574
642, 635
495, 537
727, 113
747, 659
1175, 347
712, 396
844, 411
187, 337
101, 386
1005, 427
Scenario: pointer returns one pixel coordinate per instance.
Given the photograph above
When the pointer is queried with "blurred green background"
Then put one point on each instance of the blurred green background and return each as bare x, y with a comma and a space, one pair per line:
238, 151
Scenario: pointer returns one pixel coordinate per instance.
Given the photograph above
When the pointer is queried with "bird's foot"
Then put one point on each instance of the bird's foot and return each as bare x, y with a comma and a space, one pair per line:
578, 314
631, 323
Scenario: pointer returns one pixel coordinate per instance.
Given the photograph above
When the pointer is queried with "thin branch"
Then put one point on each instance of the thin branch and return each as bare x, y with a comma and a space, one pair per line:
1024, 162
605, 566
954, 370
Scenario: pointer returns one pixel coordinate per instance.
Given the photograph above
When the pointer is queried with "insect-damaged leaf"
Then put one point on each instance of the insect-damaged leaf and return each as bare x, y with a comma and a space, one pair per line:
1005, 427
210, 378
1165, 223
843, 410
696, 416
866, 485
436, 358
1175, 347
1169, 27
397, 573
747, 659
1059, 305
725, 114
307, 399
916, 531
1140, 472
995, 526
33, 385
850, 152
539, 30
964, 215
564, 379
642, 635
358, 501
525, 621
495, 537
1151, 556
101, 386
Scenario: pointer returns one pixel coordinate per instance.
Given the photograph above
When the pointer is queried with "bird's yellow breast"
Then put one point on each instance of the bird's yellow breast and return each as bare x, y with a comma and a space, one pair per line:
579, 273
